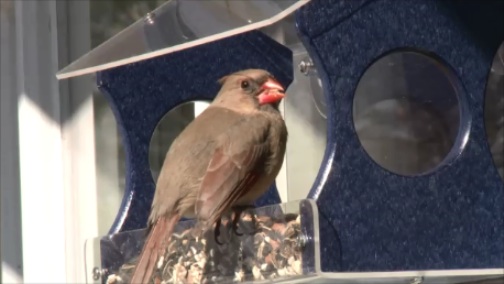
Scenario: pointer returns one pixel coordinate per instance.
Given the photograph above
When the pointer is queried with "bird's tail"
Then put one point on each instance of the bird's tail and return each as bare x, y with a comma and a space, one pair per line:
154, 247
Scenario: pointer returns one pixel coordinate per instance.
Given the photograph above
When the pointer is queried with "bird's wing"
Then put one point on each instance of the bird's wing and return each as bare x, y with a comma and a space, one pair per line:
235, 167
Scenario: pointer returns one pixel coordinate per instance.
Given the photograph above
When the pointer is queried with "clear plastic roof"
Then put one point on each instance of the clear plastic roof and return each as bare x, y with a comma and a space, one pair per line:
178, 25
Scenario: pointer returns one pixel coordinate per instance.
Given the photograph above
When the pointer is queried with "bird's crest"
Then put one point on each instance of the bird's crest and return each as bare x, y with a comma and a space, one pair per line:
222, 80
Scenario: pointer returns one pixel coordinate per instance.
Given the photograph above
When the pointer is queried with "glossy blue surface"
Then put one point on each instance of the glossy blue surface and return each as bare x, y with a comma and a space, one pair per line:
140, 94
372, 219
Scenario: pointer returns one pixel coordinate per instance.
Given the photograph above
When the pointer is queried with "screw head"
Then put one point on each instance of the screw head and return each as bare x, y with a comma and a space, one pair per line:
98, 273
417, 280
149, 18
301, 241
306, 66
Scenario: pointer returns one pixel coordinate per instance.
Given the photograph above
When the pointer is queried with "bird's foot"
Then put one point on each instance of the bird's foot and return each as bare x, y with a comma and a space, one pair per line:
217, 231
238, 211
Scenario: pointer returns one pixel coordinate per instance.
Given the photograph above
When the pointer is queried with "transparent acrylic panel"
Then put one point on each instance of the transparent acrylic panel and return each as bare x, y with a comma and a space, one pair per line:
307, 126
279, 243
494, 110
92, 255
178, 25
281, 246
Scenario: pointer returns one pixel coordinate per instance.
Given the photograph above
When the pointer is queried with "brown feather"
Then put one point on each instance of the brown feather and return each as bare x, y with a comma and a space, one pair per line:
229, 155
222, 80
154, 247
227, 178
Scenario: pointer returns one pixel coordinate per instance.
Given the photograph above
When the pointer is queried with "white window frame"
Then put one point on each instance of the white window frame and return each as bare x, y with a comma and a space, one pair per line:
53, 139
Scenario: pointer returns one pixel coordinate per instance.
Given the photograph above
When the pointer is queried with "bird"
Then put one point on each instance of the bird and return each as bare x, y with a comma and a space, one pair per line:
226, 157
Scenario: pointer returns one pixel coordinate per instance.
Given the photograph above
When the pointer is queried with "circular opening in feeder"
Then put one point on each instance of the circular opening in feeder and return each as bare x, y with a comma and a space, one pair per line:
170, 126
407, 112
494, 110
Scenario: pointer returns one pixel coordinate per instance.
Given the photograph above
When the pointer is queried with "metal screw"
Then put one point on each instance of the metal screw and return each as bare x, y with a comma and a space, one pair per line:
98, 273
149, 18
417, 280
306, 66
301, 241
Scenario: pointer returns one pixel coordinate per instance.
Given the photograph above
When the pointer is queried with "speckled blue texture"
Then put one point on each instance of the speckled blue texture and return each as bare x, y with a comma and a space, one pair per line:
140, 94
452, 218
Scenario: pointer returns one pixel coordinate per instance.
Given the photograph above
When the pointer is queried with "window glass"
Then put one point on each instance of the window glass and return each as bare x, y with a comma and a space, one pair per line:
406, 112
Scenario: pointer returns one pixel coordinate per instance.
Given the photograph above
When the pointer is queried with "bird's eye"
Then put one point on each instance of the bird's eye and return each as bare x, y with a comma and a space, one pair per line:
245, 84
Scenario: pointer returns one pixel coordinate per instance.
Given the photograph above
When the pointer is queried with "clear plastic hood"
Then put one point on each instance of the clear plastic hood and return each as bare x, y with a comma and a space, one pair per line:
178, 25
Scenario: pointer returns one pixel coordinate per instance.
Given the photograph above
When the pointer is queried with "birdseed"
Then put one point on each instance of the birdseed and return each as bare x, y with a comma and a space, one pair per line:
264, 248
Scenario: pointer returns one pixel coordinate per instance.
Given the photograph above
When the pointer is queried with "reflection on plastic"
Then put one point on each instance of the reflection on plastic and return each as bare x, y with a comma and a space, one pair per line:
271, 243
494, 110
406, 112
178, 25
307, 67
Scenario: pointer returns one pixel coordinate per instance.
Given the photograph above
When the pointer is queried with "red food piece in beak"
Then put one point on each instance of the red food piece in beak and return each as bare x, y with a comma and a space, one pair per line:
272, 92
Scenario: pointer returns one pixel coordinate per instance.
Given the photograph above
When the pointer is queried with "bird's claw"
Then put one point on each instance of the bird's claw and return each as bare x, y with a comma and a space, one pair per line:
217, 232
237, 219
234, 226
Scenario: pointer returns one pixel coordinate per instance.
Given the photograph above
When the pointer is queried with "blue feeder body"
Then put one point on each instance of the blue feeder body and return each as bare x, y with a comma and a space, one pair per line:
370, 218
374, 220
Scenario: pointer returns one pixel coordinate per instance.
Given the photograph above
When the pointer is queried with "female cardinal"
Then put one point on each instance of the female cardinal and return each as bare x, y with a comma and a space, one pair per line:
228, 156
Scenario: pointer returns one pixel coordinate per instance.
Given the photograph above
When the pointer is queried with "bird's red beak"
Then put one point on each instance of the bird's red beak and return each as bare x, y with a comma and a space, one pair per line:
272, 92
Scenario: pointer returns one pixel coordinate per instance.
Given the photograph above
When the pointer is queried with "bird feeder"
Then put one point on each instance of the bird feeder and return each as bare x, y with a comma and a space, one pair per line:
369, 217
